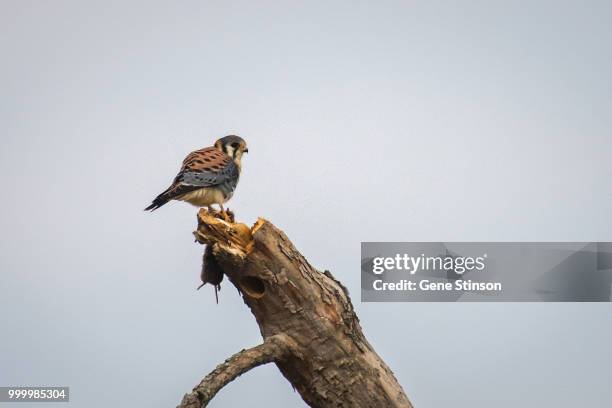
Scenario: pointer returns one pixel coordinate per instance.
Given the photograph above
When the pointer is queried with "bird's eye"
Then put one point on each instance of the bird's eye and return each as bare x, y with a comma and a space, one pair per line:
235, 145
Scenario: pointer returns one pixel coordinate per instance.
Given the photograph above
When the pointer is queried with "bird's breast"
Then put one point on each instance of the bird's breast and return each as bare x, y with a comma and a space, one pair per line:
205, 196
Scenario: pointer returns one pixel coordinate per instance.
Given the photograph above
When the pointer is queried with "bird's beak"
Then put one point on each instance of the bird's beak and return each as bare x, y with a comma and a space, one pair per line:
246, 150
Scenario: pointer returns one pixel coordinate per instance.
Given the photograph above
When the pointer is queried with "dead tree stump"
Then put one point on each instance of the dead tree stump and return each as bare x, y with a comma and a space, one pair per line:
305, 317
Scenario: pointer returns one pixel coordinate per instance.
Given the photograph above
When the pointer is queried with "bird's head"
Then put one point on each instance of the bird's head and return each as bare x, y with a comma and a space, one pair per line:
233, 146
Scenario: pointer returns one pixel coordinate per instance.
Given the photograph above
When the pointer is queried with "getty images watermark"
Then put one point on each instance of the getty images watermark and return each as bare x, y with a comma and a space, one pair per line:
499, 271
457, 265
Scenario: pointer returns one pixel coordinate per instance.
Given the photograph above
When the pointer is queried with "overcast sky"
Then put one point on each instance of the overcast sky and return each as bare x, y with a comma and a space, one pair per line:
366, 121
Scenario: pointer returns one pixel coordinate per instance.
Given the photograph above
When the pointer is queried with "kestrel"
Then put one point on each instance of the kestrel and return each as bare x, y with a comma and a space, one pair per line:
208, 176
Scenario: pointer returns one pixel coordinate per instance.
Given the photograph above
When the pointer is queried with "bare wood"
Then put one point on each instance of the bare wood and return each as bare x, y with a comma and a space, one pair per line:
330, 362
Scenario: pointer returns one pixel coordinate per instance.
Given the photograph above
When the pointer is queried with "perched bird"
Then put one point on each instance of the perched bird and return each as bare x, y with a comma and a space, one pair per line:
208, 176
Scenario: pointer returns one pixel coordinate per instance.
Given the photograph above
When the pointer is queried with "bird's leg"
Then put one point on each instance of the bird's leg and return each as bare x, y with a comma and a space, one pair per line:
210, 209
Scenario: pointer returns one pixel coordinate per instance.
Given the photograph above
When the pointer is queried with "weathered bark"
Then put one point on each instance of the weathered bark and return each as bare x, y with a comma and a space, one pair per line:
272, 349
317, 341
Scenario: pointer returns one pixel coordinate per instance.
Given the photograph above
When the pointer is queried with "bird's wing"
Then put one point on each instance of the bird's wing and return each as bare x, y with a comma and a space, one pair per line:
208, 167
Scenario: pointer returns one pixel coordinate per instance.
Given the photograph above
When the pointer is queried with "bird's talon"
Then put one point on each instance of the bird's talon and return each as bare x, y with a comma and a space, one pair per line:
228, 215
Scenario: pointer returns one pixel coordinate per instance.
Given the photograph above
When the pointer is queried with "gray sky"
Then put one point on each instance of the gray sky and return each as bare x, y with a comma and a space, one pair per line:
366, 121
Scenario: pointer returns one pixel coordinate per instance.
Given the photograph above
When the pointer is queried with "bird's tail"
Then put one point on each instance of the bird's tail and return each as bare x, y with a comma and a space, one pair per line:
160, 200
